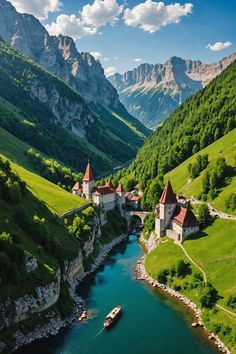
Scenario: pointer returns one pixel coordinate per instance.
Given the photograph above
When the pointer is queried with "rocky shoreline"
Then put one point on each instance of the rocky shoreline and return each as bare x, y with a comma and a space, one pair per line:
57, 324
141, 275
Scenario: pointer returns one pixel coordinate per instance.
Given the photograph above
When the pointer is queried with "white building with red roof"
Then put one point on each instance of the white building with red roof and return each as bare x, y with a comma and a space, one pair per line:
106, 196
173, 218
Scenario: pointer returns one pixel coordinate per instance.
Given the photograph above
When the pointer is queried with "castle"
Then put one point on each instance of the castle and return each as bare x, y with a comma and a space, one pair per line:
174, 218
107, 196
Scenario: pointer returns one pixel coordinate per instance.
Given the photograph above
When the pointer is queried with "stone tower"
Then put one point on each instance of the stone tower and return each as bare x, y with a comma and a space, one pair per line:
120, 192
168, 204
88, 182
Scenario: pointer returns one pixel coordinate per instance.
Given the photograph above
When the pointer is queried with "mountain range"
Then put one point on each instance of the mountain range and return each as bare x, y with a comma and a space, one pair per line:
151, 92
67, 90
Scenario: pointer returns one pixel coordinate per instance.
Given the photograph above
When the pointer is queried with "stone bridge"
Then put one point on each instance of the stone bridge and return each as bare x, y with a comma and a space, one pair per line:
140, 214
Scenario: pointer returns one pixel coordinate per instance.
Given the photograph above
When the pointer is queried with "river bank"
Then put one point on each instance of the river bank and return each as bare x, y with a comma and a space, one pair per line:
142, 275
57, 324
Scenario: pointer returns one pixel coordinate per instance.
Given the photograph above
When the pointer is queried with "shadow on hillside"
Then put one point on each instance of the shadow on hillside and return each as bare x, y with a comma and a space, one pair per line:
197, 235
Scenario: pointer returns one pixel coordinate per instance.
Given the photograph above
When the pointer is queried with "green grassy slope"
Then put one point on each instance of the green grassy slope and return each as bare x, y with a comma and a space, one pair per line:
224, 147
214, 251
56, 198
34, 122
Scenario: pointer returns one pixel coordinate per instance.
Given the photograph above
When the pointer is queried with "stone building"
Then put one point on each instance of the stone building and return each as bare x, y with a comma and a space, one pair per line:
106, 196
173, 218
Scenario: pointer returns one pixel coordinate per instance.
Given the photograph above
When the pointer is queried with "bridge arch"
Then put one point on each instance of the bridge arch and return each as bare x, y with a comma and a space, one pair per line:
140, 214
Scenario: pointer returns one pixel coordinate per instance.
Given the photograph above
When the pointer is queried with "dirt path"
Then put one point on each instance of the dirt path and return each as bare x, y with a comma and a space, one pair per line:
222, 308
192, 261
213, 211
205, 279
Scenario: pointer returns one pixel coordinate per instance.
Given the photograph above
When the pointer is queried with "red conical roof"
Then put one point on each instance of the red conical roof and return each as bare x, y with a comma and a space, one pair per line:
77, 186
88, 176
111, 185
120, 188
168, 196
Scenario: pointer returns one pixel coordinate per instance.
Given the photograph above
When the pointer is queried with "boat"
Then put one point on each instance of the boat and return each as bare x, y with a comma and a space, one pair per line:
112, 316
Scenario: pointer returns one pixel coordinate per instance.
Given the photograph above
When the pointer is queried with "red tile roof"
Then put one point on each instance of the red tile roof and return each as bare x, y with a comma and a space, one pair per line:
135, 198
77, 186
168, 196
184, 217
103, 190
88, 176
120, 188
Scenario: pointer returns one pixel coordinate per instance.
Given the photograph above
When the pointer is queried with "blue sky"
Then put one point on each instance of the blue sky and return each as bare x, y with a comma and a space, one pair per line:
124, 46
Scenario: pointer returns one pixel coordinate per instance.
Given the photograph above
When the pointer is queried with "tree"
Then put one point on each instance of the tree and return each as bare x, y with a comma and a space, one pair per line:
182, 268
209, 296
204, 216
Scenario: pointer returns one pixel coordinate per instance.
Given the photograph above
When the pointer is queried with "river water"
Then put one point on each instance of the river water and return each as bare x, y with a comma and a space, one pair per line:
150, 324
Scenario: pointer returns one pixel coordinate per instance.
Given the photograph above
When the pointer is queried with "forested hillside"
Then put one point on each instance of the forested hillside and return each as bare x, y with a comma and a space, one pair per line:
201, 120
44, 106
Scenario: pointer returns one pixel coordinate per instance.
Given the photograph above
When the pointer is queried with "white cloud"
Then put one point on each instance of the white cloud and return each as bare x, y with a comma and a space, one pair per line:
138, 60
219, 46
96, 55
99, 56
116, 58
152, 15
101, 12
90, 19
111, 70
70, 26
38, 8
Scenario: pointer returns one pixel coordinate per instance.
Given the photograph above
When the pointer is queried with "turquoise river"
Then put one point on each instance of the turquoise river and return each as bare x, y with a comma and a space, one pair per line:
151, 323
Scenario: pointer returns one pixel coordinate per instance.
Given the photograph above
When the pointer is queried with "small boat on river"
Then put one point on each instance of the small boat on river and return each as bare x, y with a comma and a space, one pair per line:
112, 316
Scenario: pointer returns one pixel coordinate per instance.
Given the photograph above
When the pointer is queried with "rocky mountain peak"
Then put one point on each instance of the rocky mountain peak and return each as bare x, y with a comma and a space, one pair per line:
152, 91
57, 54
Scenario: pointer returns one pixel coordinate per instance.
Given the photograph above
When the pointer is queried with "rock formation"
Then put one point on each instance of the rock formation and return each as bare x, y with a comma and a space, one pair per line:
152, 92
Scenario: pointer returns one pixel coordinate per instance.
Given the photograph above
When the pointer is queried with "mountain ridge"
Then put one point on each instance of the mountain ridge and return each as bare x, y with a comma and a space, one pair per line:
151, 92
58, 54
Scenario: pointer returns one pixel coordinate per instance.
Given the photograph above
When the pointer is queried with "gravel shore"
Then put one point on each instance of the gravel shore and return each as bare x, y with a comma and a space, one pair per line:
141, 275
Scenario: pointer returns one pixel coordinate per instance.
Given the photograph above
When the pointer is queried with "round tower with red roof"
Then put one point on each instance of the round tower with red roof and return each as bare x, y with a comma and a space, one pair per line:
88, 182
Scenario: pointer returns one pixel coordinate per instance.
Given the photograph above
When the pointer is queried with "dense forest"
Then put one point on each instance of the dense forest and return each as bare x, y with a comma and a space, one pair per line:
201, 120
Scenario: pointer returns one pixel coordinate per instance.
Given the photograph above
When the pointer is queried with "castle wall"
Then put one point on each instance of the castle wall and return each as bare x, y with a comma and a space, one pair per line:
189, 230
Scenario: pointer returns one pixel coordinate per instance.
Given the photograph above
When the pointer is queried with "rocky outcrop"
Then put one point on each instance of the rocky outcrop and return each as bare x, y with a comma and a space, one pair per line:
16, 310
57, 54
152, 92
69, 112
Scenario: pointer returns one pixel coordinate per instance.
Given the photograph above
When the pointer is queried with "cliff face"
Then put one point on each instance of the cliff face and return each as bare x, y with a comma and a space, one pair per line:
68, 112
152, 92
58, 55
15, 310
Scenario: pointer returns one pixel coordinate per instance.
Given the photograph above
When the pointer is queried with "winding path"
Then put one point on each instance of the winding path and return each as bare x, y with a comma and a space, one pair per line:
205, 278
192, 261
213, 211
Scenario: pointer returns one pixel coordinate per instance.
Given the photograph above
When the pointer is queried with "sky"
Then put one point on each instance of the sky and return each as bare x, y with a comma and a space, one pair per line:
122, 34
